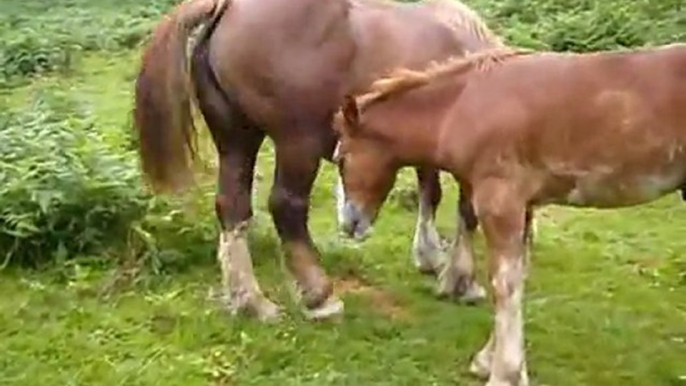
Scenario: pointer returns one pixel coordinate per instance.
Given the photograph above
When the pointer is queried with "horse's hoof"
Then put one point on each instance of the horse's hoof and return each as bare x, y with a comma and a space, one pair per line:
480, 368
474, 294
257, 306
425, 269
332, 308
494, 382
265, 310
428, 257
454, 285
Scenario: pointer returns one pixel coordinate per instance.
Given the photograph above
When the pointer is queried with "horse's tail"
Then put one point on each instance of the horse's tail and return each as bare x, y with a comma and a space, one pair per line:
163, 96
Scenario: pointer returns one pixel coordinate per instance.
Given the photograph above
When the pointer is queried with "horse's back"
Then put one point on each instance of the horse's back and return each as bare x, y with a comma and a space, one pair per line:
589, 125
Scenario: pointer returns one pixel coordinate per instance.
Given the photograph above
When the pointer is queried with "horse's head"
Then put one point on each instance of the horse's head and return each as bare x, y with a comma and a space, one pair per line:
368, 170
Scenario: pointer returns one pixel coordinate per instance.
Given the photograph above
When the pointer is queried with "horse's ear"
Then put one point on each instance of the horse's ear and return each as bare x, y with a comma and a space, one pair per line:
351, 113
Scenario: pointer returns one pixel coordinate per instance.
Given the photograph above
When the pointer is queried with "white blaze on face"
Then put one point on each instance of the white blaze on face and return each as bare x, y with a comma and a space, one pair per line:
336, 152
339, 191
340, 201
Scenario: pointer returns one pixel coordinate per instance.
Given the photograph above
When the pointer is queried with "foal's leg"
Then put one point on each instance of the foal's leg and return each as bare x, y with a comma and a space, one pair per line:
503, 216
457, 278
481, 365
297, 164
426, 247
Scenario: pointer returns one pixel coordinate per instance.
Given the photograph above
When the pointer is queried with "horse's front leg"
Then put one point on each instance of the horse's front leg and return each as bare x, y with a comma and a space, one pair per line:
297, 164
457, 278
504, 220
426, 246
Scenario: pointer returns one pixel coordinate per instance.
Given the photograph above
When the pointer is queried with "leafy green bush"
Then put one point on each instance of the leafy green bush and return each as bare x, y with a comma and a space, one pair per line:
62, 190
29, 54
585, 25
36, 39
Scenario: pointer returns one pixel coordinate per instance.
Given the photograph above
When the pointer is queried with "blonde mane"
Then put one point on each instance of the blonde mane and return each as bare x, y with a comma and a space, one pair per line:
402, 80
455, 14
458, 16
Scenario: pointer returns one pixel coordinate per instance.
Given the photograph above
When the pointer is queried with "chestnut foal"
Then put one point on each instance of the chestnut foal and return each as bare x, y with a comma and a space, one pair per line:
280, 69
522, 130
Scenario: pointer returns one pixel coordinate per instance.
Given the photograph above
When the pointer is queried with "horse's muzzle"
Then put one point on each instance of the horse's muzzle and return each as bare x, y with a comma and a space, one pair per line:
356, 223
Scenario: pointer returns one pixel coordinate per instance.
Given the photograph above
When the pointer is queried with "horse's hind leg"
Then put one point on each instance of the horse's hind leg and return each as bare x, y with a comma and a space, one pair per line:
297, 164
457, 278
237, 143
426, 246
237, 156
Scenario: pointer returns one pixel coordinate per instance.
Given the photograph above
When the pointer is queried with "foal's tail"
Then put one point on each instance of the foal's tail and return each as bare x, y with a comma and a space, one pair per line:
162, 113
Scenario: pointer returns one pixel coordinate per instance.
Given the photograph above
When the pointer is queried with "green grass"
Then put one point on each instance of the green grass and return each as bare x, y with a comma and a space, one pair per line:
606, 305
605, 301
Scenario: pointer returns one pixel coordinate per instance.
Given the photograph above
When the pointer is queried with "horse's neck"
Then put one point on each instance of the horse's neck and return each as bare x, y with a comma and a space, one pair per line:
411, 122
443, 21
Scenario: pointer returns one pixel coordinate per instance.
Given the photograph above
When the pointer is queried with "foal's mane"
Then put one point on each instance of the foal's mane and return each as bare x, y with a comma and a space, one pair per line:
402, 80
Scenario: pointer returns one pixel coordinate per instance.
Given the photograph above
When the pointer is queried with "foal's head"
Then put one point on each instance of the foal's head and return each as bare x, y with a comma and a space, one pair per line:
367, 167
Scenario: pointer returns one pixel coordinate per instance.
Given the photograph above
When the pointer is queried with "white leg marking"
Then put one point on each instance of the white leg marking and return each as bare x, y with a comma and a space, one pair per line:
483, 360
534, 228
241, 289
427, 244
457, 276
508, 367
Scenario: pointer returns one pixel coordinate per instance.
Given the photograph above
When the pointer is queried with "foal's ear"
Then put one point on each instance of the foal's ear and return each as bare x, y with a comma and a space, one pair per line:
351, 113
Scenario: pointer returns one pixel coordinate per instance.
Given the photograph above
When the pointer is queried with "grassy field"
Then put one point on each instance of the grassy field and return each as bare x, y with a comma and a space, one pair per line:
605, 302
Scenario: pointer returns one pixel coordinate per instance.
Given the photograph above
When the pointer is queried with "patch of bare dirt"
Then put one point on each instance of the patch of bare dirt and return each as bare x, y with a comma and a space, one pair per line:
383, 301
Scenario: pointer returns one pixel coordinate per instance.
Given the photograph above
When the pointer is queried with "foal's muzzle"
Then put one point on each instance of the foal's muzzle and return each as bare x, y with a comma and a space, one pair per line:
356, 223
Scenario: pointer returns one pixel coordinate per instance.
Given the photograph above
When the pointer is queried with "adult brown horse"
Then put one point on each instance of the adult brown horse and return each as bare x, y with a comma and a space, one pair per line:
612, 134
280, 68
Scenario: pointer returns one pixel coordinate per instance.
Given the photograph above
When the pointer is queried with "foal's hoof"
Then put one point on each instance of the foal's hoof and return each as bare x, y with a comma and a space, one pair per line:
497, 382
480, 367
459, 287
332, 308
474, 294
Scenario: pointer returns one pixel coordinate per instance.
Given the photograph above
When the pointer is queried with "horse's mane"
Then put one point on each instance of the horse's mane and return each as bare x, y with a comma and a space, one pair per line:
458, 15
453, 13
402, 80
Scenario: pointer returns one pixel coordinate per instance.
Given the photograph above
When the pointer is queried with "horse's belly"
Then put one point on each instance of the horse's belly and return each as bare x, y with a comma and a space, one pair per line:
606, 190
